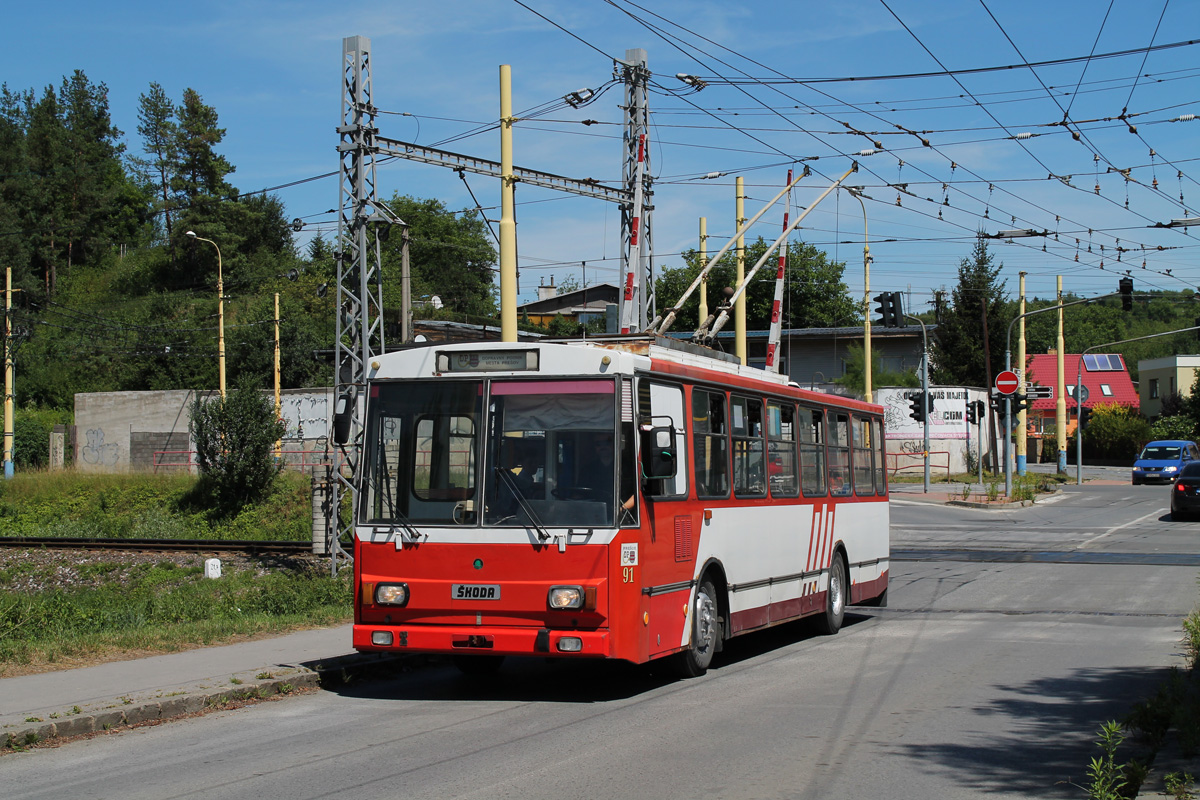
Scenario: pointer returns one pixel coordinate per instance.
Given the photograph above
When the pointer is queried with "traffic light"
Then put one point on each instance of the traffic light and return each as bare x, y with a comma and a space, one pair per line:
972, 415
1020, 402
916, 404
889, 310
884, 310
1126, 287
897, 309
1085, 414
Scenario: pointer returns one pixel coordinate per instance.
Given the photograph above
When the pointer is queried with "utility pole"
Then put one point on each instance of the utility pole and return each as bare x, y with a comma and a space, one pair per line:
1060, 403
636, 259
8, 375
1022, 415
508, 221
739, 305
703, 260
987, 371
359, 328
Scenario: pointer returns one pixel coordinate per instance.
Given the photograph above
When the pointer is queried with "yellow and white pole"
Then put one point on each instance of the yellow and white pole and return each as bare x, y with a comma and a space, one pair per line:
508, 223
739, 306
1060, 392
1022, 381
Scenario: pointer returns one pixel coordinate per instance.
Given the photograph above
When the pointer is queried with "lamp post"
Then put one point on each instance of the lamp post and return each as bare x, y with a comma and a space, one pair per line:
858, 195
220, 314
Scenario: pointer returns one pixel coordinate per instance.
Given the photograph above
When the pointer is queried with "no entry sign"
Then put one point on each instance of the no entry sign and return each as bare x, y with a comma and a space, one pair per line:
1007, 382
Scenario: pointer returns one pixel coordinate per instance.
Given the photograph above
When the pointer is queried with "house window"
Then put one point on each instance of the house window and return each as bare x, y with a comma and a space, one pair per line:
1106, 390
1154, 388
1172, 385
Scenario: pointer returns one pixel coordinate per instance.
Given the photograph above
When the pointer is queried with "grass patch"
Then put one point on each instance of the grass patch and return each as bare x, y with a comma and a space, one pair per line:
144, 506
165, 607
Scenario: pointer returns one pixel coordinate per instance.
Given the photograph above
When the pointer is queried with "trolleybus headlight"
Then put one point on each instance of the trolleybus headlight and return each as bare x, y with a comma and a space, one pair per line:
562, 597
391, 594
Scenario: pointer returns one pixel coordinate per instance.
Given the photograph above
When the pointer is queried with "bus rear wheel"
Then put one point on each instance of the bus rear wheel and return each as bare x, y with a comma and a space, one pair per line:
706, 633
830, 622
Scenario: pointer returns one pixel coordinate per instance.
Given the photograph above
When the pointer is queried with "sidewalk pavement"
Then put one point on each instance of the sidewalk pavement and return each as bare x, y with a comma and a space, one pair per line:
72, 702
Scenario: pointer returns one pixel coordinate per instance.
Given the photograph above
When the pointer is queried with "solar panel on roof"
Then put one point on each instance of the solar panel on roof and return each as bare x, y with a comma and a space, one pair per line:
1102, 362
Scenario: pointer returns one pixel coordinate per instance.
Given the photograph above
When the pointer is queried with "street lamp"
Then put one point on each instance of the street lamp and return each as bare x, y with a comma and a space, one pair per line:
857, 193
220, 315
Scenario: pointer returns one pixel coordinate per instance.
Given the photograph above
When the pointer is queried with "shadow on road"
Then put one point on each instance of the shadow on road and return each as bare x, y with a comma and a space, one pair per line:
559, 680
1058, 719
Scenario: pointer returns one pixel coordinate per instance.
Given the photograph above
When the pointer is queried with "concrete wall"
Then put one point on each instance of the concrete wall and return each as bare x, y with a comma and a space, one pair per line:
106, 421
127, 431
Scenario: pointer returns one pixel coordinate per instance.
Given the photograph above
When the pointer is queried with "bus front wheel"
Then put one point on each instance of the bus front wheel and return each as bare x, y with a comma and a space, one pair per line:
706, 633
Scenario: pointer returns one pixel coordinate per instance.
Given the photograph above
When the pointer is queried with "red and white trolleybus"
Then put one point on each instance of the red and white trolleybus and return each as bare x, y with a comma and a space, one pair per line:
626, 497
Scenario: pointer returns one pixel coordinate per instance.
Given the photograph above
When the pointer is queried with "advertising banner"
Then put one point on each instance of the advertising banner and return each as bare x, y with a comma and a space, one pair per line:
948, 420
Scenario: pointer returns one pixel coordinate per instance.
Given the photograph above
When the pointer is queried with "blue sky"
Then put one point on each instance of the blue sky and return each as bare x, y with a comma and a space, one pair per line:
273, 72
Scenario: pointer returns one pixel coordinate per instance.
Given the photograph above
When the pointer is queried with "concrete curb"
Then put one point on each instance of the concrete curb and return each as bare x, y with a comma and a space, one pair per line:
1004, 503
47, 725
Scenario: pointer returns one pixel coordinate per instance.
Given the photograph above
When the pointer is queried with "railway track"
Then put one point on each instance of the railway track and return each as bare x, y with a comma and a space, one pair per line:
144, 545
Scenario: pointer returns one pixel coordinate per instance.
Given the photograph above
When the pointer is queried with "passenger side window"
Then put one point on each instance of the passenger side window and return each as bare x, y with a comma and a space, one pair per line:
839, 457
864, 473
749, 476
710, 446
810, 425
781, 450
877, 451
658, 403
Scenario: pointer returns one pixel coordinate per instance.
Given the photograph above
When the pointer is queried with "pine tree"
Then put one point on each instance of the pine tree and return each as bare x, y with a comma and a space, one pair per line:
92, 175
958, 349
159, 132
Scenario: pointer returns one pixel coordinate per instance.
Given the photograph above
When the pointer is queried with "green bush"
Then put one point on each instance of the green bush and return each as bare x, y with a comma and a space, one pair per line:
1176, 427
235, 440
1115, 431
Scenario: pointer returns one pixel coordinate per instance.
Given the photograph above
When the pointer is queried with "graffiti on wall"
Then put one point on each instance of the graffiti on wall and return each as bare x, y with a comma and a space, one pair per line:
96, 452
307, 416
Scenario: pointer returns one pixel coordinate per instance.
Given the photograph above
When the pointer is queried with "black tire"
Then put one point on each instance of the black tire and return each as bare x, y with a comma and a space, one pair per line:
830, 622
478, 665
1136, 482
706, 633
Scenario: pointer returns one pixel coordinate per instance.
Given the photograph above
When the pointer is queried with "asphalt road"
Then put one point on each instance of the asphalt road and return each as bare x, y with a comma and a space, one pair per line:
1011, 636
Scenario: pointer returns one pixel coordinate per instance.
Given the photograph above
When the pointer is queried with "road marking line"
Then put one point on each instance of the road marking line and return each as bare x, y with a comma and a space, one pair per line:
1156, 512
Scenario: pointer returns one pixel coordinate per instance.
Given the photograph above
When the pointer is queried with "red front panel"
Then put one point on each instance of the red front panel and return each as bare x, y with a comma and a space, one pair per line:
437, 619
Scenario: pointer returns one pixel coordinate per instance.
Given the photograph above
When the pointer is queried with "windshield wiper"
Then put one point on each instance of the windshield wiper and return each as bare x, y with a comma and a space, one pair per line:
507, 479
393, 514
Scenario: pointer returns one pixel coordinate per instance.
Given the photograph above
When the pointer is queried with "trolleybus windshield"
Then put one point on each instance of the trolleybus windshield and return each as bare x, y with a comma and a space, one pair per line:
543, 455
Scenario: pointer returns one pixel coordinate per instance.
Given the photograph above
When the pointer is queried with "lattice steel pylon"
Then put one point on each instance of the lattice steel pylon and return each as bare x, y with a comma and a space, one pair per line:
638, 300
359, 285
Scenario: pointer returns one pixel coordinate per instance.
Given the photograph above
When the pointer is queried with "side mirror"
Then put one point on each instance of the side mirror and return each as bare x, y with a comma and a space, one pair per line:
342, 417
659, 453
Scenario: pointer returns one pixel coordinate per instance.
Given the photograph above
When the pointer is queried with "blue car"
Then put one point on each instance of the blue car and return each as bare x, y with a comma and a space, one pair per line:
1160, 462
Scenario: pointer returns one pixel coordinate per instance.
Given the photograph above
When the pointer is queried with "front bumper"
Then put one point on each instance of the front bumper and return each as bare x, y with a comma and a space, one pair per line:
482, 640
1154, 477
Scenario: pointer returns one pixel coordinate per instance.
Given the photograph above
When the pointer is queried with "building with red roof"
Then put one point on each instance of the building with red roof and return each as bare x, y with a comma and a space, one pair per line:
1105, 380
